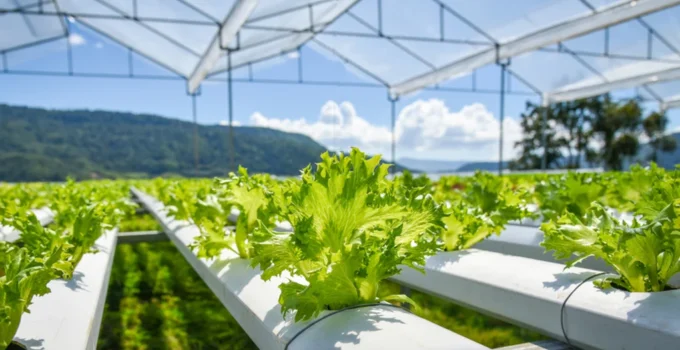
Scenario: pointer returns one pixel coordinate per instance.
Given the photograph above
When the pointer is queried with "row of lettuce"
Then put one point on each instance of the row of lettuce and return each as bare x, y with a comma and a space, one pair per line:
352, 227
82, 213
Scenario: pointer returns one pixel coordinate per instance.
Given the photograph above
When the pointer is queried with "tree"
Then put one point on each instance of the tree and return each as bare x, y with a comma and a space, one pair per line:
574, 118
533, 124
617, 128
566, 131
654, 127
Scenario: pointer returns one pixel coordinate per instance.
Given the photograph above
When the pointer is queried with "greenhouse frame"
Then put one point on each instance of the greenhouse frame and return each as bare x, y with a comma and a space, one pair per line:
203, 40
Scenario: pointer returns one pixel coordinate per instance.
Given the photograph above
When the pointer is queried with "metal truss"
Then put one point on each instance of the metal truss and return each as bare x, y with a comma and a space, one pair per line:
226, 42
541, 38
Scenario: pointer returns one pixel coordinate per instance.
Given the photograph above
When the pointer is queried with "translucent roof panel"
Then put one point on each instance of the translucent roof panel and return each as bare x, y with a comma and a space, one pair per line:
556, 46
47, 57
414, 38
386, 60
667, 24
512, 20
279, 26
270, 8
666, 89
523, 26
216, 10
19, 30
276, 19
539, 68
617, 70
181, 10
25, 4
170, 33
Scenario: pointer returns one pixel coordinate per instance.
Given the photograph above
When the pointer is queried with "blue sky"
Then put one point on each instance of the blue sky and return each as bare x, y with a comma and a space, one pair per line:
466, 120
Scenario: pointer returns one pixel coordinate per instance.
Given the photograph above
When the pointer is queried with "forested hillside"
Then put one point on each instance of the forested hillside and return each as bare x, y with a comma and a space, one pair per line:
39, 144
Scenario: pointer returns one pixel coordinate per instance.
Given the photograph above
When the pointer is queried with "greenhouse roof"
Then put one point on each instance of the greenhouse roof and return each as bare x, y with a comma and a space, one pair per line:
560, 49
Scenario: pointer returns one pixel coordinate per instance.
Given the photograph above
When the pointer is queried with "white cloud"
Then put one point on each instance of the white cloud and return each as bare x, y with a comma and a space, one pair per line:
99, 45
226, 123
425, 126
76, 39
293, 54
428, 125
337, 127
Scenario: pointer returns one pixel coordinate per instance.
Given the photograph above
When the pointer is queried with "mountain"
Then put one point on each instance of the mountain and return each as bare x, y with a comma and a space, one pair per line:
486, 166
48, 145
431, 166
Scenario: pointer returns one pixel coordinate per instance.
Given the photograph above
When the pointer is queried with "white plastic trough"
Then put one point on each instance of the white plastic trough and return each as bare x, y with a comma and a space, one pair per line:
44, 215
531, 293
254, 304
525, 241
70, 316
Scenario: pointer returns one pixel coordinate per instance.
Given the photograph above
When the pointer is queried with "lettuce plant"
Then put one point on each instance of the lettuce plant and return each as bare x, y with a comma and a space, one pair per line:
22, 276
645, 255
572, 192
256, 197
487, 203
352, 230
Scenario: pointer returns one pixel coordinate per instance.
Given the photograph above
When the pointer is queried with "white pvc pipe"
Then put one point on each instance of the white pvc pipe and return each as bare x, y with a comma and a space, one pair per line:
531, 293
44, 215
69, 316
254, 304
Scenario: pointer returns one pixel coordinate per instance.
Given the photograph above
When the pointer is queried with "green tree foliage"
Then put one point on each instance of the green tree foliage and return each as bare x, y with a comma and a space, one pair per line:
49, 145
616, 126
604, 131
535, 121
655, 126
566, 135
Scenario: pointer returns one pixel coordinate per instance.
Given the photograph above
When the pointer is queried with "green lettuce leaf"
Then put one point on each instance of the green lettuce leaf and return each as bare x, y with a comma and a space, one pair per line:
645, 255
352, 230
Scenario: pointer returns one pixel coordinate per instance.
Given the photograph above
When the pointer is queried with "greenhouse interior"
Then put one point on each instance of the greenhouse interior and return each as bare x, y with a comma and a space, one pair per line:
339, 174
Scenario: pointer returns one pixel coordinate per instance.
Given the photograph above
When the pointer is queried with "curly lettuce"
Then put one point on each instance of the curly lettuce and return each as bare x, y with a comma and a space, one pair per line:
351, 232
257, 198
645, 255
486, 204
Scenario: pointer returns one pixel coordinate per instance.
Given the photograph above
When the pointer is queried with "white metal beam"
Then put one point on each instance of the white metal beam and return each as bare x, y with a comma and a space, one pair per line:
225, 34
532, 41
615, 84
292, 41
670, 103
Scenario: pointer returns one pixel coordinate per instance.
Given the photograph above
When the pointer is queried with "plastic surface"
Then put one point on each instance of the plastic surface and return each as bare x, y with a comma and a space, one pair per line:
28, 29
407, 44
530, 293
226, 34
44, 215
544, 26
70, 316
254, 304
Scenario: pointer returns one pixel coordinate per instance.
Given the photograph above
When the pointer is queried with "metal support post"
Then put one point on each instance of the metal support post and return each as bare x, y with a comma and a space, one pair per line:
544, 125
504, 66
193, 110
231, 113
393, 111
